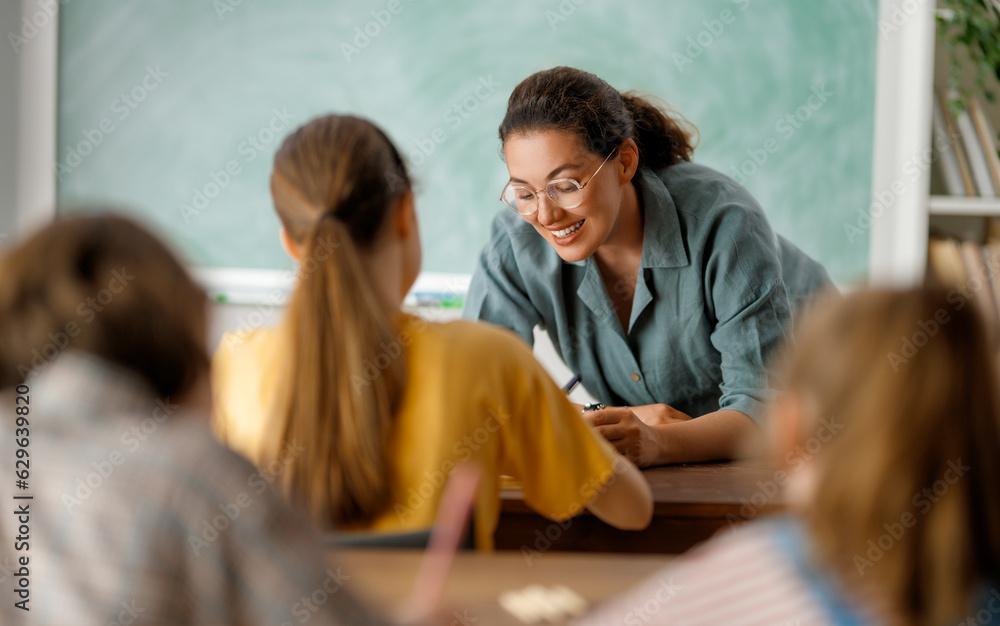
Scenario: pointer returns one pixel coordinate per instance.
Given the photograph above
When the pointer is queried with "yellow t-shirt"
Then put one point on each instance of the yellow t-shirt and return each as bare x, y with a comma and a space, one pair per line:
474, 392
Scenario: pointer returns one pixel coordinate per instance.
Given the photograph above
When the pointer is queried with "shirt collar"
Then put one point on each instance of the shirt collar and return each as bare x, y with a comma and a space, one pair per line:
662, 244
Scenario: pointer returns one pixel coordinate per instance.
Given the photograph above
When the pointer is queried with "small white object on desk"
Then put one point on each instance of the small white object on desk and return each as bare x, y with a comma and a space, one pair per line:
535, 604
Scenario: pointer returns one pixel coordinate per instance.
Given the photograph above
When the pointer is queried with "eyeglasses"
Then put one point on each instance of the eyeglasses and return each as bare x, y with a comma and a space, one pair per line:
563, 192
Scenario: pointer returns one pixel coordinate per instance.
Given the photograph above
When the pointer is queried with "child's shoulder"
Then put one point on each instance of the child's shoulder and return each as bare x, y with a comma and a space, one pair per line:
249, 339
478, 350
248, 348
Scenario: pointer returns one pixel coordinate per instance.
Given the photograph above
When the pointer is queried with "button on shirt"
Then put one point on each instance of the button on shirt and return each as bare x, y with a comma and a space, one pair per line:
715, 290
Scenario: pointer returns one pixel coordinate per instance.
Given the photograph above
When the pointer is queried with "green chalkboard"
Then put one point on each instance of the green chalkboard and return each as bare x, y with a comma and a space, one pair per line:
174, 109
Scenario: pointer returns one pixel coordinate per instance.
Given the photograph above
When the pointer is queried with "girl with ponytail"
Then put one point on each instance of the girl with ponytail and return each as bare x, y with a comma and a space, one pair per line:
359, 411
659, 281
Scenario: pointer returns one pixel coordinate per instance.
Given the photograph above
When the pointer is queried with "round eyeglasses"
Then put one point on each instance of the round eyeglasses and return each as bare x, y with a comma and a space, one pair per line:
566, 193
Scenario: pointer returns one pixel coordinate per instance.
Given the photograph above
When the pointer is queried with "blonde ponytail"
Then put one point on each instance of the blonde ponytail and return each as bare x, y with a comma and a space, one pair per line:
333, 417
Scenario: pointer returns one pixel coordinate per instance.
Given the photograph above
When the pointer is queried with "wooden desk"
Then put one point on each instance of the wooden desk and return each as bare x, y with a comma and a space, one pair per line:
691, 503
386, 577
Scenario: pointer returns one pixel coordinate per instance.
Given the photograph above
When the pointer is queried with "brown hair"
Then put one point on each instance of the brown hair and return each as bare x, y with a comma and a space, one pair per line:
571, 100
103, 285
335, 180
911, 378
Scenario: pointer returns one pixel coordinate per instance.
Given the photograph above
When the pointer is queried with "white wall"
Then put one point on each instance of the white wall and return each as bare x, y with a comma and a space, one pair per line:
27, 114
10, 15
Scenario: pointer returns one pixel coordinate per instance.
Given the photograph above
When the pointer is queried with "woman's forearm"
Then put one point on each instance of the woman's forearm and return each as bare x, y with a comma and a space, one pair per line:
712, 437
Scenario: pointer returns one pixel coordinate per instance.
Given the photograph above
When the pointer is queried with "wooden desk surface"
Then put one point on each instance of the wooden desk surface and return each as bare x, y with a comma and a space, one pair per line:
690, 504
386, 577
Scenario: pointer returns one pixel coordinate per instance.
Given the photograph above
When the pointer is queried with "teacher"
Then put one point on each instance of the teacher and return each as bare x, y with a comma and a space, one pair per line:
659, 281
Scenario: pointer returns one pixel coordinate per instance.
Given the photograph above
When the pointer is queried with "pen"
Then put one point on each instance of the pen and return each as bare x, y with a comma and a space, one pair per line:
573, 382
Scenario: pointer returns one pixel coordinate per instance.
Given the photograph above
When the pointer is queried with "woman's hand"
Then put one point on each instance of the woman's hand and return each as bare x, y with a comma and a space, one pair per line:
636, 440
656, 414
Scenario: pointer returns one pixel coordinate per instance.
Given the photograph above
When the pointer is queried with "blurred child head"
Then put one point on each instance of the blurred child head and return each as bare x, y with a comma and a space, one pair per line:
890, 411
105, 286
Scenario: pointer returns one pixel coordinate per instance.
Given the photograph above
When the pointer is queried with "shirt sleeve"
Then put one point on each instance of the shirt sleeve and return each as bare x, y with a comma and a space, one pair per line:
750, 302
497, 293
560, 461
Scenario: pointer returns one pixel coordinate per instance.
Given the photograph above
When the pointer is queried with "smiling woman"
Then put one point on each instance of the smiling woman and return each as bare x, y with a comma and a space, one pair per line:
659, 281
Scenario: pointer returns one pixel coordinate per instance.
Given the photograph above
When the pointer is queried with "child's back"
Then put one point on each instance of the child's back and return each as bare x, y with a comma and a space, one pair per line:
473, 392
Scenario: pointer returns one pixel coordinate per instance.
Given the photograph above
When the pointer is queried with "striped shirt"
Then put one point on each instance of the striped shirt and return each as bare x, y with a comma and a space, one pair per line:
139, 516
742, 577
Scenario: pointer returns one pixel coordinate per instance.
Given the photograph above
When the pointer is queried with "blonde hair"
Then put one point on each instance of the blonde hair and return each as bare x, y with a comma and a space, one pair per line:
335, 180
906, 495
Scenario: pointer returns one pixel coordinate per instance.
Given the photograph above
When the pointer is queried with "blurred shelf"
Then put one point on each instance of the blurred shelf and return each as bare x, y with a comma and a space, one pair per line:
964, 205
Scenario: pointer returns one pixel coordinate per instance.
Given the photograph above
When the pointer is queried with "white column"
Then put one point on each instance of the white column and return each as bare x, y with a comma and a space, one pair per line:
903, 97
36, 145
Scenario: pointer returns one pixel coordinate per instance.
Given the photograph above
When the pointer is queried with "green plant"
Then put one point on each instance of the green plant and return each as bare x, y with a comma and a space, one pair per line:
975, 26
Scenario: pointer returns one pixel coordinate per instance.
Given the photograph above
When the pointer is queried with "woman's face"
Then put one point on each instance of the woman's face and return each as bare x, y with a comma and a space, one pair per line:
535, 158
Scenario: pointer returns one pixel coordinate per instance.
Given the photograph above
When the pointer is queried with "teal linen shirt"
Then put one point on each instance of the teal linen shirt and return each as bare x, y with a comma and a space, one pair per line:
714, 294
